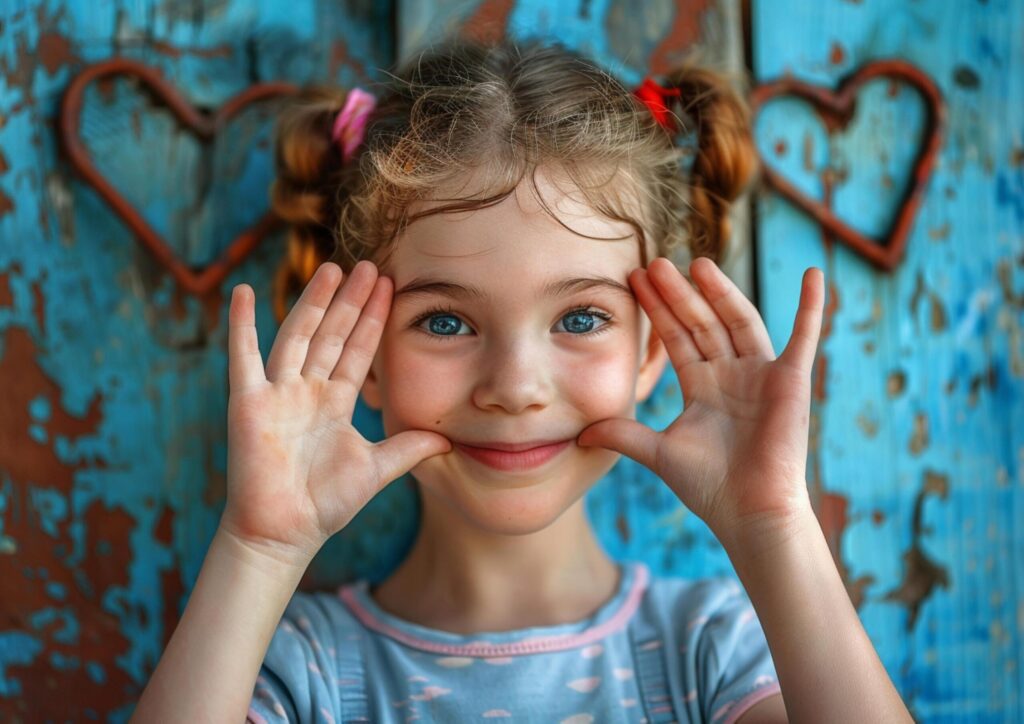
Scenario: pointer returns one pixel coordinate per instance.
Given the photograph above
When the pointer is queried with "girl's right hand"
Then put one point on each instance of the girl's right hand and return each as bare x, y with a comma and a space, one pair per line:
298, 471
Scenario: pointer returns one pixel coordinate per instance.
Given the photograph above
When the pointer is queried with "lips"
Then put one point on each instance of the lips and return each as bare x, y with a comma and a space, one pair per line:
526, 459
513, 447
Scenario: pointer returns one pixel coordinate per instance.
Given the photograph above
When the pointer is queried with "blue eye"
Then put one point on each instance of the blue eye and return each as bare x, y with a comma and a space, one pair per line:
444, 323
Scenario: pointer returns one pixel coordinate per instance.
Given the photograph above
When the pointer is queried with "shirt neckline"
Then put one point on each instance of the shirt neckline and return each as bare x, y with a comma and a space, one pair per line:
613, 615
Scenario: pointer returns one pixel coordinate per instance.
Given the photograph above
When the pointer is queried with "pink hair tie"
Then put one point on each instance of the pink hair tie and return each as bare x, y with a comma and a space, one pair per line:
350, 124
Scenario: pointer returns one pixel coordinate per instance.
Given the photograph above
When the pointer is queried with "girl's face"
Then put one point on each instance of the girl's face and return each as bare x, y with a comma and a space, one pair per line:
521, 361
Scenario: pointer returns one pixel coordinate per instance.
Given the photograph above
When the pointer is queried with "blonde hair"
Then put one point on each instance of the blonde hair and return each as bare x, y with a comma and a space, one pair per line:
508, 107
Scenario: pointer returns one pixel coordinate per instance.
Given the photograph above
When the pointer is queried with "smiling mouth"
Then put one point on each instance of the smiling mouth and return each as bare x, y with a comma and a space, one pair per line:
514, 461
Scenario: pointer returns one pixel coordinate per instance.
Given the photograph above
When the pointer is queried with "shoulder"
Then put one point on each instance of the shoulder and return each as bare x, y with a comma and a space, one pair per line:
696, 601
720, 646
300, 669
312, 628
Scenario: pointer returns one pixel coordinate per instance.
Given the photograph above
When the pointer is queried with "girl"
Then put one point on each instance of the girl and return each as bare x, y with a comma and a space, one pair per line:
499, 289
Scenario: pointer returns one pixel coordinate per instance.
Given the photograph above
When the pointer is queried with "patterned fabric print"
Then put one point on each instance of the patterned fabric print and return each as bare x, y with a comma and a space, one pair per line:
660, 650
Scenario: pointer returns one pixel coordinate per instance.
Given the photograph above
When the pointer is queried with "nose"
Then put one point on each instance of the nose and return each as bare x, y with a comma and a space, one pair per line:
515, 375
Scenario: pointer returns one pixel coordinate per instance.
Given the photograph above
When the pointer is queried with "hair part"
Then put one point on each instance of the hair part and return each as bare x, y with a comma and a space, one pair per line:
497, 111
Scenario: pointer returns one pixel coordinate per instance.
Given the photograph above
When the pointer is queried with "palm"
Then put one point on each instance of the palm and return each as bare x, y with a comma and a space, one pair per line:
285, 442
738, 450
298, 470
747, 420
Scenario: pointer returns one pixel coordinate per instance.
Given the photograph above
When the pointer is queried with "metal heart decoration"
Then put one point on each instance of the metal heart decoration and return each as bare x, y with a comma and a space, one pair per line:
201, 281
836, 109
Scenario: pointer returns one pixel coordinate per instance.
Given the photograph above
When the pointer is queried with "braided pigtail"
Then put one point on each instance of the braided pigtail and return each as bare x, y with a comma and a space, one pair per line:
726, 159
316, 167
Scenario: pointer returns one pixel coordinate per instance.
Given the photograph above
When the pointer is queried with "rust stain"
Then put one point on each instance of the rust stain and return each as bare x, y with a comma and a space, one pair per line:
919, 439
868, 423
832, 515
489, 22
38, 302
871, 321
171, 585
6, 296
686, 31
940, 233
340, 58
174, 51
1011, 324
820, 378
50, 50
1004, 272
921, 574
6, 204
896, 383
937, 312
808, 151
39, 565
974, 386
780, 147
622, 526
836, 55
54, 51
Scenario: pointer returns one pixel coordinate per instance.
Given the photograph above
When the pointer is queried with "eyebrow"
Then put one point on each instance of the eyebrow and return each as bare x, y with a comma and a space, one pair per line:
558, 287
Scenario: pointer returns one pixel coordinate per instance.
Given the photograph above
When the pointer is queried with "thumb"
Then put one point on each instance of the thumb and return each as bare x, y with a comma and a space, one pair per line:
400, 453
629, 437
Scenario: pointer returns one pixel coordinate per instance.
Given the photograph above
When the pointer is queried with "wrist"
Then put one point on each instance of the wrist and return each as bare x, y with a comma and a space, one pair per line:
263, 555
753, 539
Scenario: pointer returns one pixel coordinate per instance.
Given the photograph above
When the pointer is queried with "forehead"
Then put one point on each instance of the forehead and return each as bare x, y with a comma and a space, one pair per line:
516, 240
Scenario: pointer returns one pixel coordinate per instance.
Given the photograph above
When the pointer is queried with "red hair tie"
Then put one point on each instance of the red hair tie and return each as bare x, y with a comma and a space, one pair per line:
654, 96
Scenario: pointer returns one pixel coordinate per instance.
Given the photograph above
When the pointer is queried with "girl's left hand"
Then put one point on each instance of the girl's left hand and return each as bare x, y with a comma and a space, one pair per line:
736, 456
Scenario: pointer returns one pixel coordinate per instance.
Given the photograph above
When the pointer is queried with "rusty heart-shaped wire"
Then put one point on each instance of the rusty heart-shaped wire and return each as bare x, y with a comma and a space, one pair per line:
201, 281
836, 109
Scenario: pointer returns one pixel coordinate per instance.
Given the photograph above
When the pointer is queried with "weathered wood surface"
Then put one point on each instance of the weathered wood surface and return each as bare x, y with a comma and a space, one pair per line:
916, 446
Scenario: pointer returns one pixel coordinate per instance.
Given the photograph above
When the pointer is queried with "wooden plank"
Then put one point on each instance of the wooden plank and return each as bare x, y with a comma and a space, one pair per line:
113, 385
915, 451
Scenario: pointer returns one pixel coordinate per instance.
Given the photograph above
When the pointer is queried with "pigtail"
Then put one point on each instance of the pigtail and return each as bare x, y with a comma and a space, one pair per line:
726, 159
308, 189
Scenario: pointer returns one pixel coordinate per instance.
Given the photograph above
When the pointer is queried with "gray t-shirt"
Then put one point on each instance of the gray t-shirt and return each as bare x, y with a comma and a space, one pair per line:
662, 649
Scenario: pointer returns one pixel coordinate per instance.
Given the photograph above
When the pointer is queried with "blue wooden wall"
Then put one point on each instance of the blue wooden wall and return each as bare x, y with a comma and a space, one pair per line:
113, 382
918, 418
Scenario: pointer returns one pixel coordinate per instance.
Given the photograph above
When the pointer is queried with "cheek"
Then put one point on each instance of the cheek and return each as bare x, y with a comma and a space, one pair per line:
601, 383
419, 387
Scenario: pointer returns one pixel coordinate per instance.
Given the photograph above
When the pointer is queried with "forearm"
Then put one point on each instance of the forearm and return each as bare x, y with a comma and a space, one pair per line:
208, 671
828, 668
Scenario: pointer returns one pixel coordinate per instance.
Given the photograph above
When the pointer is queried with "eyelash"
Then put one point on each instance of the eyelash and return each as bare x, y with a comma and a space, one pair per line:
448, 310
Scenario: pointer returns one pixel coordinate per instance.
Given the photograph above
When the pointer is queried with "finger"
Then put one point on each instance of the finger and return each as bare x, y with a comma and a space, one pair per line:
361, 346
288, 352
692, 309
245, 364
622, 435
681, 348
329, 340
403, 451
737, 313
803, 343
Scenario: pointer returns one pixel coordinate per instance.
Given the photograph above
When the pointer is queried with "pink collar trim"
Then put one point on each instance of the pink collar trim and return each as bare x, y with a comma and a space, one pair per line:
607, 620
